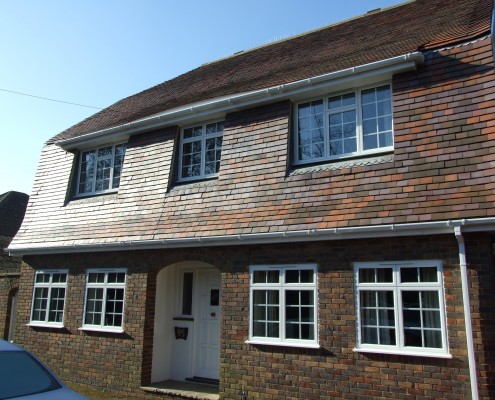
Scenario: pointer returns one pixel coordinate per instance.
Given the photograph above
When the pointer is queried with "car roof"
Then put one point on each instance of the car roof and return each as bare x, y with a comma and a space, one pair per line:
7, 346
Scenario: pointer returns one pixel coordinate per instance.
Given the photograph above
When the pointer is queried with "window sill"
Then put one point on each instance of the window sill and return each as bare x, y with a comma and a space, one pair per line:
284, 344
403, 353
101, 329
337, 164
45, 325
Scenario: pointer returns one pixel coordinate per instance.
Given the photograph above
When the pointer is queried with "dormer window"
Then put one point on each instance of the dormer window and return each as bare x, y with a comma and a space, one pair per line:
200, 150
344, 125
100, 169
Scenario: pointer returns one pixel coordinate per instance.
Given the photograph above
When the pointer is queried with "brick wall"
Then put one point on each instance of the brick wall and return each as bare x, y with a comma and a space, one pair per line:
122, 362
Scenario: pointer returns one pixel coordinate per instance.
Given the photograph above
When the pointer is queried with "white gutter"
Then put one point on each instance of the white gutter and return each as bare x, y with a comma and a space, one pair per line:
223, 105
360, 232
467, 313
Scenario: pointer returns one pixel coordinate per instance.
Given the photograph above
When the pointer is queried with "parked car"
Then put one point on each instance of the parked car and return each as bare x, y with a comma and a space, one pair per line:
24, 377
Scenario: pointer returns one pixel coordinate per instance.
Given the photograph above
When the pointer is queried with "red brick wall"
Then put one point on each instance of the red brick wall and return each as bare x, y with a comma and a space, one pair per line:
123, 362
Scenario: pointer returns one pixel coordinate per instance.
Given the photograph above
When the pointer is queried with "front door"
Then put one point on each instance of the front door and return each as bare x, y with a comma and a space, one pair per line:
207, 354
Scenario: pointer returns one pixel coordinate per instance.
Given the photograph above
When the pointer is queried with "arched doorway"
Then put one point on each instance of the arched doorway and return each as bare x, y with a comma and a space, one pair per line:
186, 340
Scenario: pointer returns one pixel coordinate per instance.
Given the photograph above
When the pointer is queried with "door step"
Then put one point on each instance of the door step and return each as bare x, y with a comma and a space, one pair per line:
205, 381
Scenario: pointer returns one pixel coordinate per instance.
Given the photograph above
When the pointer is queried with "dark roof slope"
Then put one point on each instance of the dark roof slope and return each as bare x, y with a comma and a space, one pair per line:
12, 210
409, 27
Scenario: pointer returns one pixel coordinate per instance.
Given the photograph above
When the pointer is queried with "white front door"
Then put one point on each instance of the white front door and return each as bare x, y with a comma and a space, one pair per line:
207, 354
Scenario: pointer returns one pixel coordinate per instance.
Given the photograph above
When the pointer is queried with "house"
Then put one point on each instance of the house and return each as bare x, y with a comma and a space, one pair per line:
12, 208
310, 219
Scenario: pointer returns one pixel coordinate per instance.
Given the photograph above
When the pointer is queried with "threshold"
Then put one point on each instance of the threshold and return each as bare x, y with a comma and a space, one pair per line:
184, 390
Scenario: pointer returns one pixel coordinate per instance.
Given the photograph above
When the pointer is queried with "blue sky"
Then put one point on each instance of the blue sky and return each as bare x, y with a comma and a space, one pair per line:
96, 52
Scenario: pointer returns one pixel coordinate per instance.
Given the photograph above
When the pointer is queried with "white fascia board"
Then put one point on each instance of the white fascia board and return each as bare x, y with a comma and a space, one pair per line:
363, 232
219, 107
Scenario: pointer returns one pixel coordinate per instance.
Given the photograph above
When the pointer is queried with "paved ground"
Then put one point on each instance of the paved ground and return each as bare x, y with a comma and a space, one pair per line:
93, 394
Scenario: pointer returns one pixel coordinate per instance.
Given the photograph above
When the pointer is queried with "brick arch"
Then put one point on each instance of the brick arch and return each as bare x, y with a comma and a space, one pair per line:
213, 256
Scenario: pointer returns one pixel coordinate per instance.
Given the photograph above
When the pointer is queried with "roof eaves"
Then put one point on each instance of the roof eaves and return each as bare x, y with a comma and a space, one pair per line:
222, 105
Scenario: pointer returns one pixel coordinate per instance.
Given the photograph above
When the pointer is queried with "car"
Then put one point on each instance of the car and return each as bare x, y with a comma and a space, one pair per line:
24, 377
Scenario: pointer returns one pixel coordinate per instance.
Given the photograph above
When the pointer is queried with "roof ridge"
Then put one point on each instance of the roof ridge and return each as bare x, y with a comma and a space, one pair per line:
302, 34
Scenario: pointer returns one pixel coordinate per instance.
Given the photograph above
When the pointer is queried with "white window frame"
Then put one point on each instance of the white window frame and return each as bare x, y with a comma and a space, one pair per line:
202, 139
398, 287
105, 286
359, 126
50, 285
112, 157
282, 287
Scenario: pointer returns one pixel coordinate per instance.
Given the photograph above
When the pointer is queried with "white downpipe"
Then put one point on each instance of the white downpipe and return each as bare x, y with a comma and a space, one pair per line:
467, 313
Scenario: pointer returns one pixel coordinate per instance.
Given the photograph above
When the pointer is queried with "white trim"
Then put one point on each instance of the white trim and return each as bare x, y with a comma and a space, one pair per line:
105, 285
467, 313
35, 324
96, 328
97, 158
327, 112
289, 236
403, 353
220, 106
282, 287
396, 287
50, 286
284, 344
202, 139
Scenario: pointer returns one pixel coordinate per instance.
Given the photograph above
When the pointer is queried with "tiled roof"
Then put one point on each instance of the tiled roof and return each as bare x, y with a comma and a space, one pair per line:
12, 209
412, 26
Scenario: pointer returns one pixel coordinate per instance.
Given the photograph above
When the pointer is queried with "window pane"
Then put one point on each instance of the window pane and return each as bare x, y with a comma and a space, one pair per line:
56, 305
431, 319
385, 139
42, 278
387, 336
385, 298
114, 307
409, 275
410, 299
87, 171
267, 276
386, 317
116, 277
367, 298
117, 165
187, 293
105, 151
40, 303
259, 313
96, 277
272, 330
433, 339
94, 306
369, 335
370, 142
310, 130
428, 274
412, 318
102, 175
368, 96
429, 299
413, 338
369, 317
298, 276
342, 130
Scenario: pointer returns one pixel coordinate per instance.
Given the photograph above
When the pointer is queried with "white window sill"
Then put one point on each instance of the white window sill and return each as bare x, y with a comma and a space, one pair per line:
301, 345
94, 194
45, 325
430, 353
102, 329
